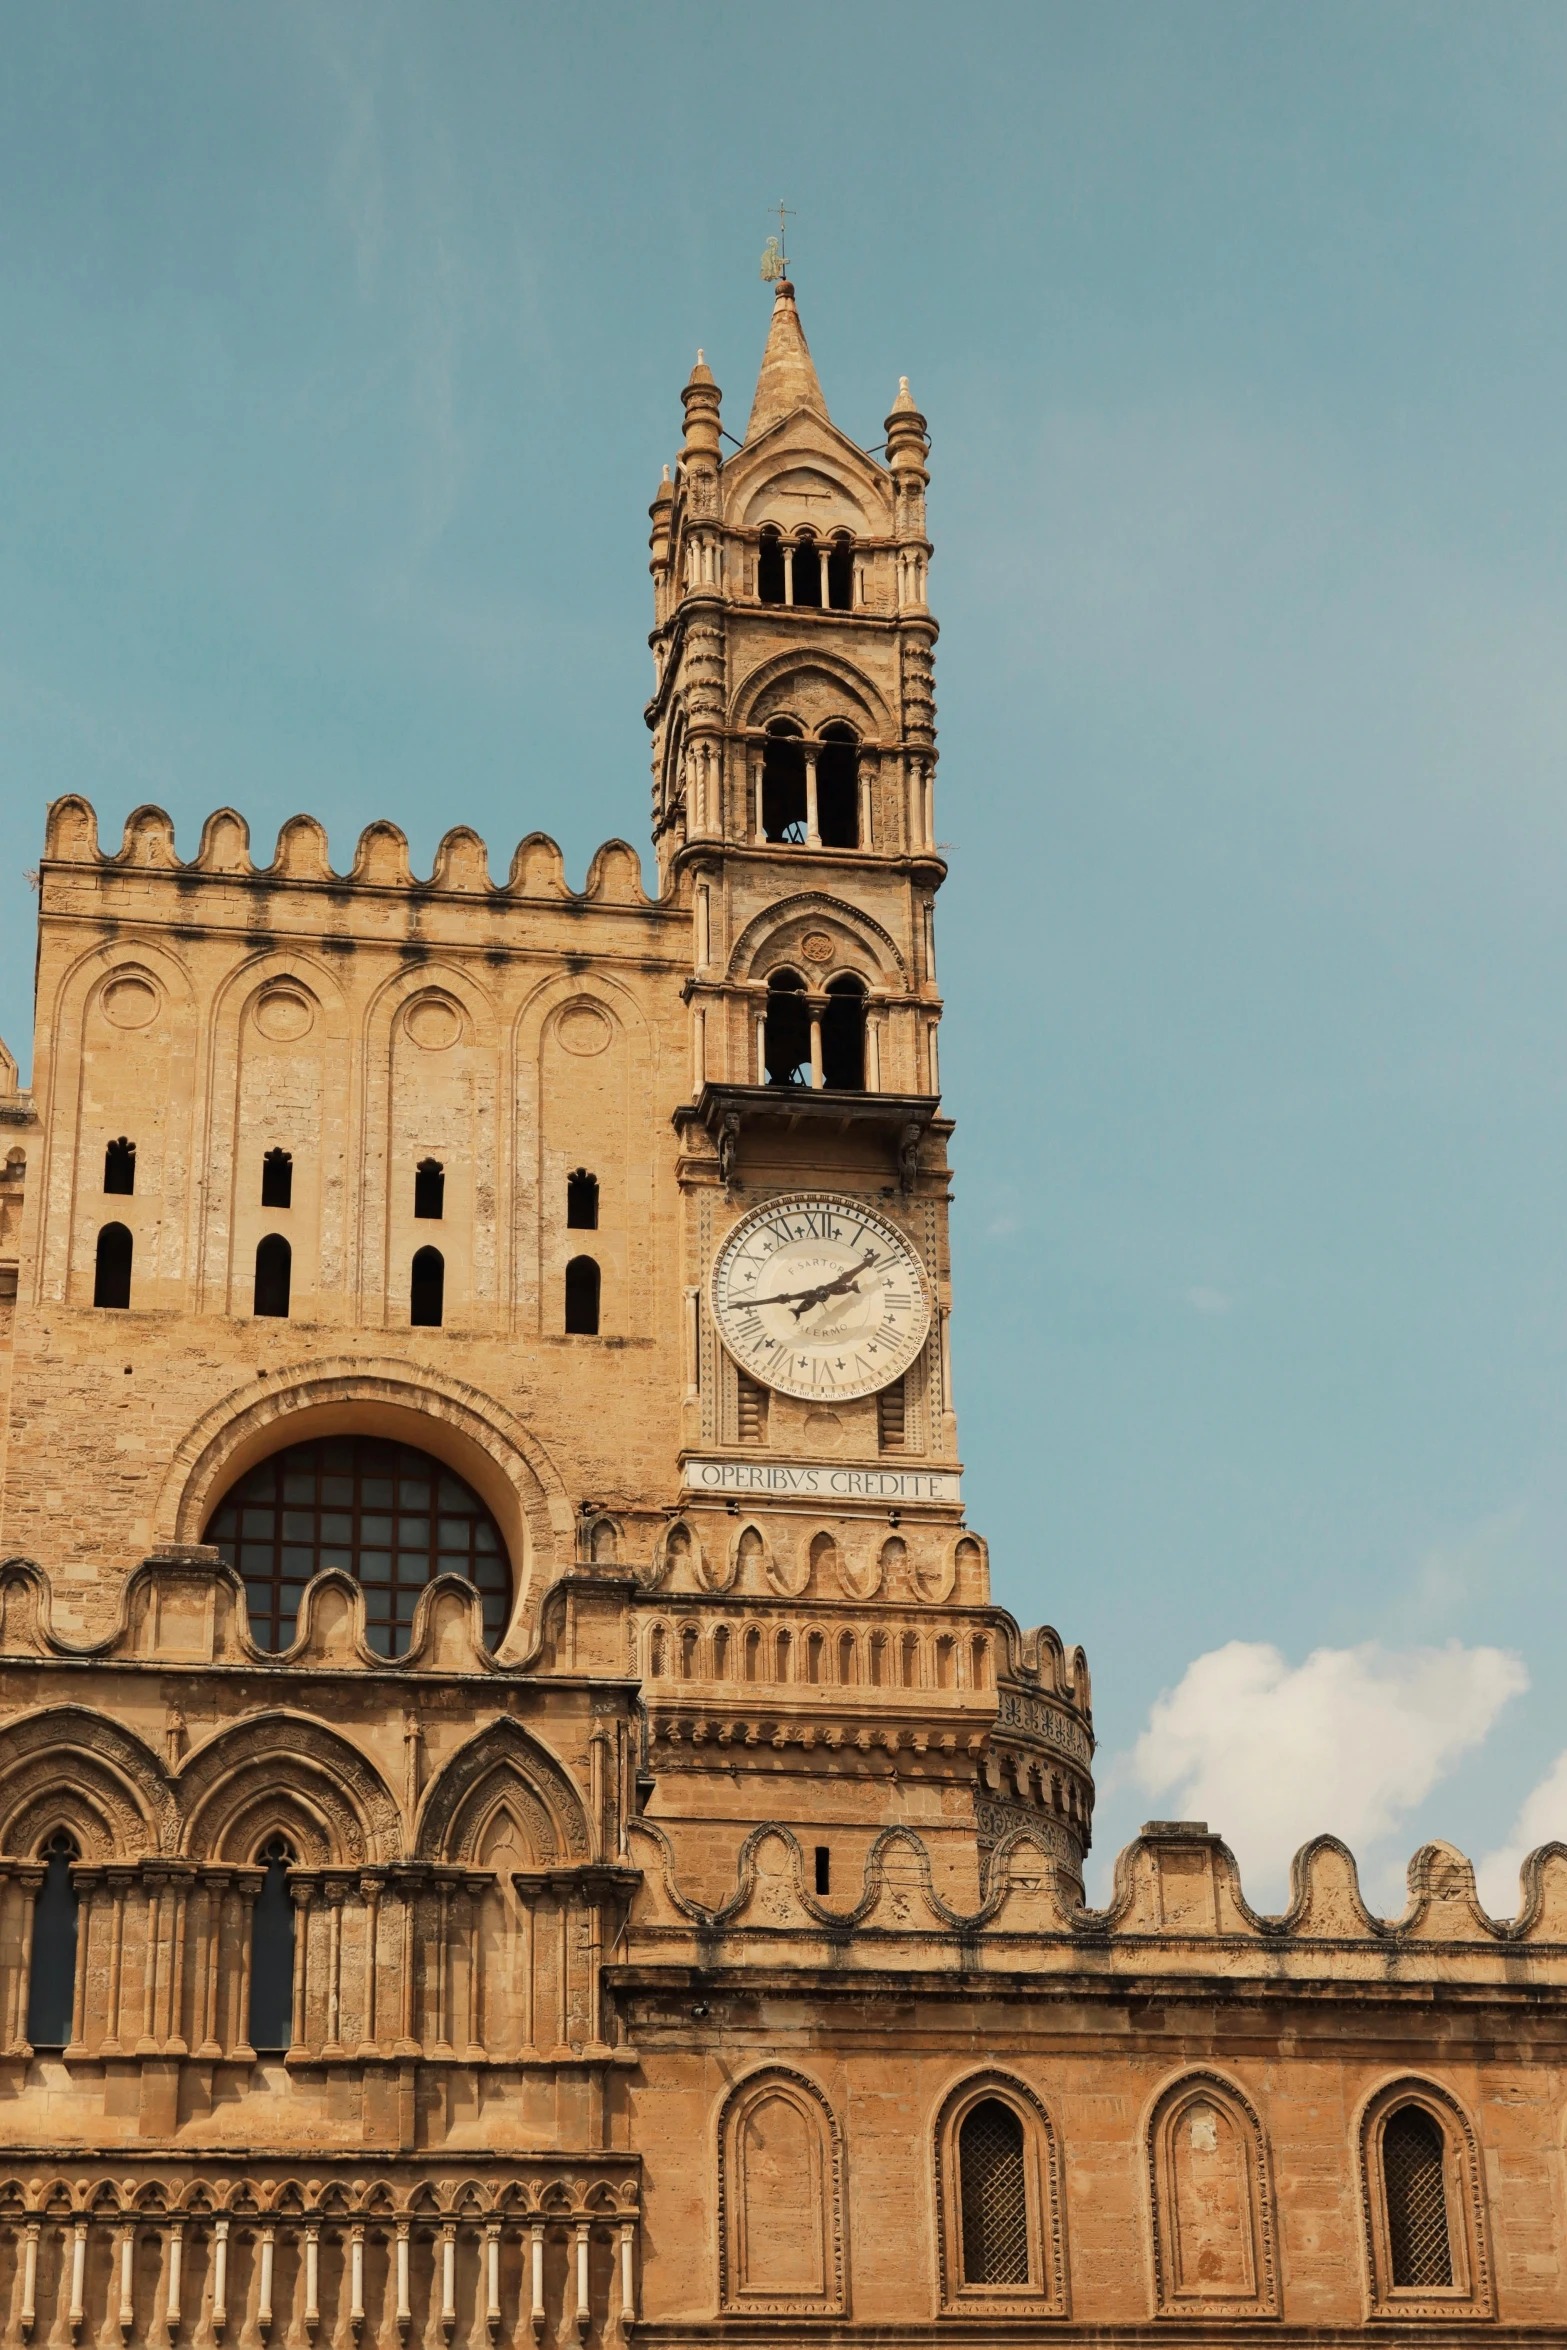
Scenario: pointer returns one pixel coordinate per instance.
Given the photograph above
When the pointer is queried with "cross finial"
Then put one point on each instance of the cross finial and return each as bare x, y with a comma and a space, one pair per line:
775, 260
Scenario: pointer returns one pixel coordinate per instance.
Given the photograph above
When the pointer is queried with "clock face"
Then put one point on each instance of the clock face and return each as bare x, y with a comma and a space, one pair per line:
820, 1297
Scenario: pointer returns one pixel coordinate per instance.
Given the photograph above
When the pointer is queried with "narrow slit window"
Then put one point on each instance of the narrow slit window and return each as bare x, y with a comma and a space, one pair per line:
272, 1955
838, 789
994, 2196
52, 1975
843, 1036
770, 569
112, 1267
840, 575
430, 1190
582, 1298
787, 1035
274, 1276
119, 1167
582, 1201
277, 1179
783, 786
807, 561
824, 1868
427, 1290
1414, 2173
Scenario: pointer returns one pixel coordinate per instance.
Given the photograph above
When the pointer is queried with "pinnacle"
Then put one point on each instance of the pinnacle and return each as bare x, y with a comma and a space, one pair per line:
701, 373
788, 378
904, 405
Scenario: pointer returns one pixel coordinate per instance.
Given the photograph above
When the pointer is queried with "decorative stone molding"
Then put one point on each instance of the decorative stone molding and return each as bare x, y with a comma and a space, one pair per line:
781, 2242
1210, 2202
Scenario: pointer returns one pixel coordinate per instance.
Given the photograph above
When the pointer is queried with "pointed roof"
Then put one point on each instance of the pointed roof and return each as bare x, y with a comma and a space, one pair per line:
788, 377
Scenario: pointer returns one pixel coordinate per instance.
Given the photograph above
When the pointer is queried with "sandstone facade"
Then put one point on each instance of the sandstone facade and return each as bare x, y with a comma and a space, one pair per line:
515, 1828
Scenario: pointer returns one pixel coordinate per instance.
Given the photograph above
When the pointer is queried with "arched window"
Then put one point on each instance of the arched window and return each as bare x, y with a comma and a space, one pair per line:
806, 562
119, 1167
427, 1289
843, 1035
582, 1298
838, 789
274, 1271
582, 1201
272, 1955
430, 1191
277, 1179
1213, 2221
112, 1271
52, 1975
770, 569
780, 2179
388, 1515
840, 574
994, 2196
1414, 2176
788, 1030
783, 784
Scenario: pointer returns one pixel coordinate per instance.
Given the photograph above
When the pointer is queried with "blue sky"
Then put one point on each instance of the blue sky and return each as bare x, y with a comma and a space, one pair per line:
344, 346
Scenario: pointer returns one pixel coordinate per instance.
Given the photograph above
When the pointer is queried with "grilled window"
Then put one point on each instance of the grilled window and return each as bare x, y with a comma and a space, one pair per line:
1413, 2171
52, 1976
277, 1179
112, 1267
753, 1411
384, 1513
891, 1417
119, 1166
994, 2196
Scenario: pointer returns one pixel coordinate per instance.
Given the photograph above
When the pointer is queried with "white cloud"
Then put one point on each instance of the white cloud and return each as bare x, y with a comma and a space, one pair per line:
1542, 1820
1271, 1754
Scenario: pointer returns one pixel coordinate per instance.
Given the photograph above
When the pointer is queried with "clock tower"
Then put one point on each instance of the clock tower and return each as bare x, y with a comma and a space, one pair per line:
820, 1533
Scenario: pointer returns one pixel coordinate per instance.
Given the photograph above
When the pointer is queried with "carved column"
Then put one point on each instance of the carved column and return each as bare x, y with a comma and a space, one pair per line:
301, 1893
313, 2272
813, 829
404, 2301
86, 1882
209, 1966
118, 1882
474, 2051
127, 2265
248, 1889
492, 2278
152, 1963
220, 2278
334, 1891
30, 2278
448, 2279
584, 2305
370, 1893
407, 2044
356, 2278
78, 2309
443, 2042
29, 1883
174, 2037
264, 2298
176, 2266
536, 2311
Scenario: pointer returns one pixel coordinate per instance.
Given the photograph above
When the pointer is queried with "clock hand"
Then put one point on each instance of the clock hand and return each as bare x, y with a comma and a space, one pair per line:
803, 1299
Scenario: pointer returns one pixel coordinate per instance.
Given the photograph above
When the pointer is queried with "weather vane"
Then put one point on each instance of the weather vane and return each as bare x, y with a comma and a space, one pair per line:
775, 261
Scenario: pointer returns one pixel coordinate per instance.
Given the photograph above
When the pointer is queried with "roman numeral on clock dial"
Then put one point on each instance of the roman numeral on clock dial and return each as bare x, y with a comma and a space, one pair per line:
820, 1297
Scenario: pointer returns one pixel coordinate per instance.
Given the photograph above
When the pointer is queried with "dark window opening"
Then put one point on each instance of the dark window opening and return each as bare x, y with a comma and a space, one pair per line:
272, 1955
994, 2197
274, 1272
1413, 2170
838, 789
783, 789
807, 573
430, 1190
52, 1975
112, 1274
770, 569
824, 1868
582, 1298
277, 1180
891, 1417
427, 1289
582, 1201
843, 1037
384, 1513
788, 1031
119, 1167
753, 1411
840, 575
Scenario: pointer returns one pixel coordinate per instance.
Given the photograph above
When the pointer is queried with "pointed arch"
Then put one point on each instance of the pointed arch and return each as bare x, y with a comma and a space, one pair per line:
1210, 2196
284, 1767
502, 1765
1000, 2208
781, 2247
772, 934
69, 1768
1439, 2137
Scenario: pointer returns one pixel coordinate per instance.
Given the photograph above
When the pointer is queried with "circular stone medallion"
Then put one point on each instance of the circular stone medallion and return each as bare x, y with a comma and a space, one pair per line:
284, 1015
129, 1002
434, 1023
817, 947
583, 1028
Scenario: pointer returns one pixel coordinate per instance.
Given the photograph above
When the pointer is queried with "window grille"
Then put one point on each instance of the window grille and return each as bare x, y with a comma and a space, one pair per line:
891, 1417
753, 1411
1413, 2172
386, 1514
994, 2196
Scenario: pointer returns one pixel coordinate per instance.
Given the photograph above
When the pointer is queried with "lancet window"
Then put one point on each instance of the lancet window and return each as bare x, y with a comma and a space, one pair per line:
583, 1284
112, 1267
272, 1954
427, 1289
52, 1973
1414, 2169
274, 1276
